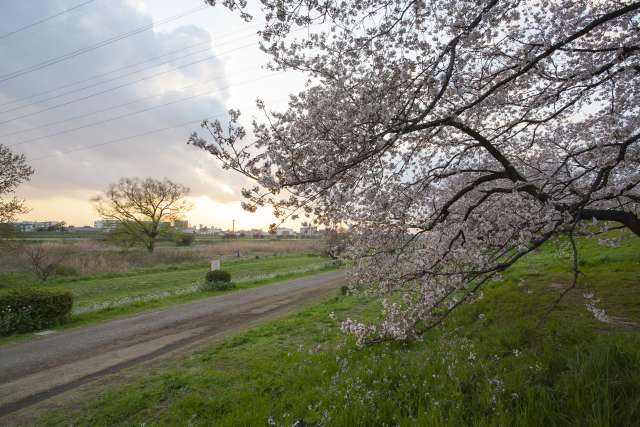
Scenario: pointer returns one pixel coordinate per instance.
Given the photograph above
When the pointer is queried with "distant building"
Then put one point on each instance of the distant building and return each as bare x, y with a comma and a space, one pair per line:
25, 226
285, 232
210, 231
83, 229
106, 224
32, 226
257, 233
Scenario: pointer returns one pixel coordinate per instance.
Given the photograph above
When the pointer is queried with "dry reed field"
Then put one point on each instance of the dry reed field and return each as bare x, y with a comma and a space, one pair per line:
89, 257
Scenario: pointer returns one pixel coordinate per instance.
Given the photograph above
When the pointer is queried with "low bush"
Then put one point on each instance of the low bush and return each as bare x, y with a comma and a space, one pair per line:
217, 280
184, 239
30, 309
218, 276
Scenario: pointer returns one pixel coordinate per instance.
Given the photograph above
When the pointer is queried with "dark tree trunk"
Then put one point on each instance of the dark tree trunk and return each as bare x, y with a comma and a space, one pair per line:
626, 218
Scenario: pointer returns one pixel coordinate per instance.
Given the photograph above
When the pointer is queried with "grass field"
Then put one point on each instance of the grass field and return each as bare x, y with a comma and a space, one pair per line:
490, 363
103, 296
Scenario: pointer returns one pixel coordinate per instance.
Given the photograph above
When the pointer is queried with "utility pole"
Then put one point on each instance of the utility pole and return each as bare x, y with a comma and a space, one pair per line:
233, 226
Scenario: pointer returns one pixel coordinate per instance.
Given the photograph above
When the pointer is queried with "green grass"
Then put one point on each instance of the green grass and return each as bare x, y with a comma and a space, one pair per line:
490, 363
99, 290
163, 241
106, 296
89, 291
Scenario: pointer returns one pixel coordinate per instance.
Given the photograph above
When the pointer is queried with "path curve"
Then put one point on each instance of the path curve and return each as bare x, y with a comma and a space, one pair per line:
34, 371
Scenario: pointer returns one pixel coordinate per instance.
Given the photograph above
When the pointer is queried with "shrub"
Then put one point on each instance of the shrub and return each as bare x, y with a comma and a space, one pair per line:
184, 239
218, 276
217, 280
44, 259
29, 309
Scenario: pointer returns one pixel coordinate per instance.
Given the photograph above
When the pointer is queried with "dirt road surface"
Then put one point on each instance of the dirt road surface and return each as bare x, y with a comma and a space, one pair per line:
34, 371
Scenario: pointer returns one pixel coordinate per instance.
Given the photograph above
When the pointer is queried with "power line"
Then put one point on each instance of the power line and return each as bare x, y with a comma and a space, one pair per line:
73, 101
43, 20
60, 95
219, 54
80, 89
92, 113
114, 107
124, 139
55, 89
112, 119
134, 113
77, 52
149, 77
128, 138
134, 101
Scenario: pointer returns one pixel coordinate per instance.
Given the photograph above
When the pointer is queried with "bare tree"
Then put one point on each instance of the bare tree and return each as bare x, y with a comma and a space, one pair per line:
44, 259
142, 206
14, 170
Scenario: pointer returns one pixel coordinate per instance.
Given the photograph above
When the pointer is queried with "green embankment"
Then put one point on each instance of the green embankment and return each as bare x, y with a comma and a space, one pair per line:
490, 363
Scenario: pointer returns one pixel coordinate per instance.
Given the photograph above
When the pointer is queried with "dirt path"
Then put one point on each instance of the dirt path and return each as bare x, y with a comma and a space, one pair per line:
34, 371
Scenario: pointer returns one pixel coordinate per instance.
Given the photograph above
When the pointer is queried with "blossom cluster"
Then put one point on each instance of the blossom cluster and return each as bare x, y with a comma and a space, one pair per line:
452, 137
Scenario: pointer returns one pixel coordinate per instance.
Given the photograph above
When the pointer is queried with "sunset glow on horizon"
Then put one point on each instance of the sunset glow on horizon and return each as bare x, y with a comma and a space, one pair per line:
206, 211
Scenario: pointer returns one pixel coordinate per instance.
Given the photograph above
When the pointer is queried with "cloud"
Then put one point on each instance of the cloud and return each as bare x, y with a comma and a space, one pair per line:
63, 175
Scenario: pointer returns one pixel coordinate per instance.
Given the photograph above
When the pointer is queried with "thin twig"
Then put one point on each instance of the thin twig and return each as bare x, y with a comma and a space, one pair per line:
574, 282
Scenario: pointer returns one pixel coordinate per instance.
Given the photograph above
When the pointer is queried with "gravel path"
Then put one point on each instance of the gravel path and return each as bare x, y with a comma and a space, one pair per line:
34, 371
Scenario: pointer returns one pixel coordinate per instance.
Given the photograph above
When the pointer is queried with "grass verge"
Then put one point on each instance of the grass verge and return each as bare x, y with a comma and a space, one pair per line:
490, 363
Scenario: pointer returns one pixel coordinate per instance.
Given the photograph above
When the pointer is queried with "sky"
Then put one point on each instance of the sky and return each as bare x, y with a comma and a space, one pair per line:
88, 116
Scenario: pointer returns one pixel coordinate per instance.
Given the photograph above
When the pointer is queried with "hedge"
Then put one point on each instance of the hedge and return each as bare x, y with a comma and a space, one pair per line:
217, 280
30, 309
218, 276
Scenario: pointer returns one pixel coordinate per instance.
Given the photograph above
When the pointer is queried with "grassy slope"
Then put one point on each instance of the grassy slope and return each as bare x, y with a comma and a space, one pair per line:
489, 364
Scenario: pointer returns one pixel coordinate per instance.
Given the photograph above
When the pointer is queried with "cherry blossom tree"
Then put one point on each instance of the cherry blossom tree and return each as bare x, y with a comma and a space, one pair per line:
454, 137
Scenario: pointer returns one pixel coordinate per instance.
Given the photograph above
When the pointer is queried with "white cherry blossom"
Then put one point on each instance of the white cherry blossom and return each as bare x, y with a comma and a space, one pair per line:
452, 137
